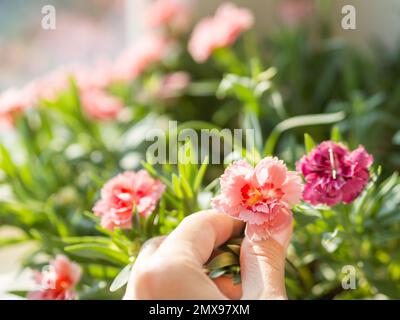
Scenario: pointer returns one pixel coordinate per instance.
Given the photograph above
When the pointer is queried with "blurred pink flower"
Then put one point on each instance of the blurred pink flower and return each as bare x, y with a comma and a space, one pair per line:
135, 60
173, 14
294, 12
219, 31
51, 85
99, 76
128, 192
262, 196
12, 102
99, 105
57, 280
334, 174
173, 84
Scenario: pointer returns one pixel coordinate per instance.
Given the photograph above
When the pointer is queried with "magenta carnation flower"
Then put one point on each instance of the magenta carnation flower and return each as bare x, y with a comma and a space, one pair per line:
334, 174
128, 192
262, 196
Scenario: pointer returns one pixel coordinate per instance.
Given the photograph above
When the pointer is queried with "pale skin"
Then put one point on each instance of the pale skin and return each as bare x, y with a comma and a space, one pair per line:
172, 267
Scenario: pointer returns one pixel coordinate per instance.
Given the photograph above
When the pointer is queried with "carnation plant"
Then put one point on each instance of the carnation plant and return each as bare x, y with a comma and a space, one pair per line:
79, 181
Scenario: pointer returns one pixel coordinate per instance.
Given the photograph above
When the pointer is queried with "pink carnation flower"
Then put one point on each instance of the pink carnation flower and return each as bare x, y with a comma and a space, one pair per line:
124, 194
99, 76
219, 31
57, 280
12, 102
99, 105
334, 174
174, 14
173, 83
135, 60
262, 196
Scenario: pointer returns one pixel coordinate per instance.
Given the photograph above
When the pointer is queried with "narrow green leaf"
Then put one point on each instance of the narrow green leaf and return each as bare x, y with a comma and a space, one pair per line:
177, 186
223, 260
186, 187
216, 273
235, 248
335, 134
96, 251
200, 175
309, 142
297, 122
121, 279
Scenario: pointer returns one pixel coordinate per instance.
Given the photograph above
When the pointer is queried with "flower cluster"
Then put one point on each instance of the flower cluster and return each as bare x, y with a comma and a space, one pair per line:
264, 196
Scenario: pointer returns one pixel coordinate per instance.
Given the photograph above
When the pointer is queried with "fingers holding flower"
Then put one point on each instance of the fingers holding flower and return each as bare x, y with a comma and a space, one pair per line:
262, 196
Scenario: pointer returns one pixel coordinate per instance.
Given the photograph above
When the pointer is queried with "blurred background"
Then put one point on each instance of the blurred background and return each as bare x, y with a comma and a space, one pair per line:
101, 28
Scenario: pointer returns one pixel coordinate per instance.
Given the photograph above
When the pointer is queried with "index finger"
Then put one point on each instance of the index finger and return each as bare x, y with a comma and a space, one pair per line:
199, 234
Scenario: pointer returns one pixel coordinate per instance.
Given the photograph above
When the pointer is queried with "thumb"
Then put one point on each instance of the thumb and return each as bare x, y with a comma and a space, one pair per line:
262, 265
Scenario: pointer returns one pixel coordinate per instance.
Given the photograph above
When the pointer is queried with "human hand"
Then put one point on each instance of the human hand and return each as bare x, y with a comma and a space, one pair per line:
172, 267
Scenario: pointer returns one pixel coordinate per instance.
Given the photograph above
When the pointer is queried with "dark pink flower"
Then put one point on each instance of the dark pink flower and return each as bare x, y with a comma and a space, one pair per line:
219, 31
128, 192
174, 14
99, 105
334, 174
262, 196
57, 280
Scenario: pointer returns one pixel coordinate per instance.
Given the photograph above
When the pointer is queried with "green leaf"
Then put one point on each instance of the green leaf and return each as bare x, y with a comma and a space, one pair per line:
186, 187
335, 134
19, 293
96, 251
177, 186
121, 279
235, 248
297, 122
223, 260
309, 142
87, 239
200, 175
396, 138
216, 273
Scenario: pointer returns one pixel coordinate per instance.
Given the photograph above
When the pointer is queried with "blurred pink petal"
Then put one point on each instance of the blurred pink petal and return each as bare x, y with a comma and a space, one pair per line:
219, 31
294, 12
99, 105
135, 60
172, 14
57, 280
173, 84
